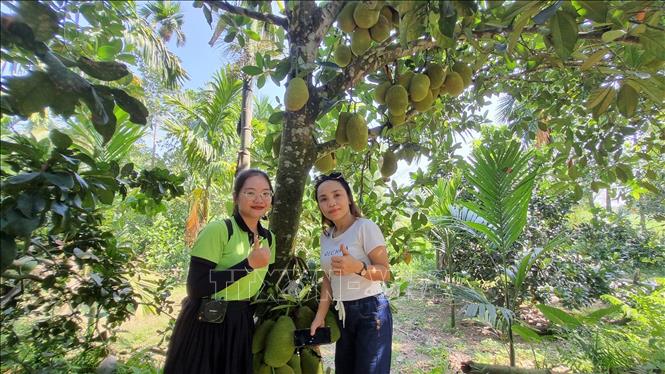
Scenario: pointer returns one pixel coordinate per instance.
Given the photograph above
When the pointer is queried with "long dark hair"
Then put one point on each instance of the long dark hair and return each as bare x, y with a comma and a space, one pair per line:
239, 183
336, 176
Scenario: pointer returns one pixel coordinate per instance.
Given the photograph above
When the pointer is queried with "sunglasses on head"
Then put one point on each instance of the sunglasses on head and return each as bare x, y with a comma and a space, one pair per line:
326, 177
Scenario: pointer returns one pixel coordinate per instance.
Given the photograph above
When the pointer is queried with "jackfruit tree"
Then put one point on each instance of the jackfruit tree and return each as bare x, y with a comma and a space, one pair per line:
366, 79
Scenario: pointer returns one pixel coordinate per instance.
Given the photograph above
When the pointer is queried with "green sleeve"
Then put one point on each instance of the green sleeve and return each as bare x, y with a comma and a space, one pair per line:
210, 242
273, 247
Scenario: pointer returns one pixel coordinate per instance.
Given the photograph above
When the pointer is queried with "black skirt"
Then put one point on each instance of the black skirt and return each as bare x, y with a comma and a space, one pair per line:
203, 347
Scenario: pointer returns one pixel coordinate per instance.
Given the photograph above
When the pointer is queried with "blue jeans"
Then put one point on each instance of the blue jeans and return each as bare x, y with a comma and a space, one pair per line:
366, 342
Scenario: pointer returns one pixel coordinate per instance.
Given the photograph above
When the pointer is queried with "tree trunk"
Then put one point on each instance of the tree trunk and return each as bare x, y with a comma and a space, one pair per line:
608, 201
244, 160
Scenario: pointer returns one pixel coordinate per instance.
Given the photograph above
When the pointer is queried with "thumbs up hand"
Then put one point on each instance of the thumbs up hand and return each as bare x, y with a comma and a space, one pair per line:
259, 256
345, 264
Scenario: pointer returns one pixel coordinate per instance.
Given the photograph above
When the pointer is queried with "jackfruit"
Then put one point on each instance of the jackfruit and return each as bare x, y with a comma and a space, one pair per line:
627, 100
391, 16
259, 339
340, 131
360, 41
345, 18
263, 369
380, 92
365, 16
310, 362
454, 85
397, 99
331, 321
276, 145
304, 317
396, 120
294, 363
324, 165
380, 31
356, 132
279, 343
436, 74
435, 92
405, 78
419, 87
464, 71
343, 55
389, 164
286, 369
424, 104
407, 154
296, 95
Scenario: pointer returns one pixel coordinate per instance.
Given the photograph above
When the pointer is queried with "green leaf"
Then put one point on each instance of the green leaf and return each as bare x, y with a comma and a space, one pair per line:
447, 18
276, 118
108, 51
251, 70
653, 42
564, 33
547, 13
558, 316
63, 180
23, 178
526, 333
60, 140
612, 35
623, 172
596, 315
208, 15
253, 35
595, 10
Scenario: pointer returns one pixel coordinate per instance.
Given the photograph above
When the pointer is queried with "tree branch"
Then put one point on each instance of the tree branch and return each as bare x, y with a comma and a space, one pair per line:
591, 35
269, 18
370, 62
329, 13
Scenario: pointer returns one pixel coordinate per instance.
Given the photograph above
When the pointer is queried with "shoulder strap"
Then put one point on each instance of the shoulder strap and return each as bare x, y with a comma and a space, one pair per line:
229, 229
270, 238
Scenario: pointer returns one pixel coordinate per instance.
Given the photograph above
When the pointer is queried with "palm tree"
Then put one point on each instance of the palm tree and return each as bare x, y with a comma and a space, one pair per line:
206, 129
502, 181
168, 19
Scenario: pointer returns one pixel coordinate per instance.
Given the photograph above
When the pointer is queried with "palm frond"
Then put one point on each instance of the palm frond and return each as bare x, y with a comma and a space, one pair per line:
479, 307
504, 109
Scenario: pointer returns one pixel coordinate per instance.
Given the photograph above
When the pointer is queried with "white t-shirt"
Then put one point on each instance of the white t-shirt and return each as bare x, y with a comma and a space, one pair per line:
360, 239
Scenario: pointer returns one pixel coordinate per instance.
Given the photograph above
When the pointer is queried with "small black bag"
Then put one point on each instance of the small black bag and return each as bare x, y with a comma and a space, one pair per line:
212, 311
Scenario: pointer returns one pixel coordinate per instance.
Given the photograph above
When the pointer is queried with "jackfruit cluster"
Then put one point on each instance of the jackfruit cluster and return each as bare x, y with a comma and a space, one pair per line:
366, 22
273, 345
352, 130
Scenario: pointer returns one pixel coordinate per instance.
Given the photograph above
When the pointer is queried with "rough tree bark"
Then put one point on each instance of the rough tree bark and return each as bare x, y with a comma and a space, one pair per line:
244, 161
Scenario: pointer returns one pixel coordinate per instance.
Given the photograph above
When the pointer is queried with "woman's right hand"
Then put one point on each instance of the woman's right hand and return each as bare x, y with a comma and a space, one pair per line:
259, 257
318, 322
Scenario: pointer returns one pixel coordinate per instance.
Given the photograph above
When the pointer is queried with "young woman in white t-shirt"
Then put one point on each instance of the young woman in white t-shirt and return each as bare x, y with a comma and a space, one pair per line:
355, 264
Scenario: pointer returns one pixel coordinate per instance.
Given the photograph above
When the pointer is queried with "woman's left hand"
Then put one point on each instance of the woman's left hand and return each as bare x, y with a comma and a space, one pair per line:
345, 264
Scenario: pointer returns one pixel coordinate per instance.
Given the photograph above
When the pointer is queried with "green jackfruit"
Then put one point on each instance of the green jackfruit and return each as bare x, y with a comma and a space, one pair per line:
345, 18
454, 84
294, 363
343, 56
380, 92
396, 120
424, 104
263, 369
259, 339
404, 79
360, 41
419, 87
627, 100
276, 145
310, 362
380, 31
464, 71
435, 92
296, 95
331, 321
340, 131
390, 15
436, 74
397, 99
356, 132
257, 361
304, 317
365, 16
324, 165
286, 369
279, 343
389, 164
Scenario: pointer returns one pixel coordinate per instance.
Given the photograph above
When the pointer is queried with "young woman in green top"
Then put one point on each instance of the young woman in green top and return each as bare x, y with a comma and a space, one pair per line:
229, 268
